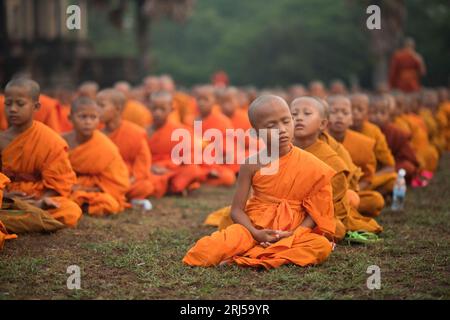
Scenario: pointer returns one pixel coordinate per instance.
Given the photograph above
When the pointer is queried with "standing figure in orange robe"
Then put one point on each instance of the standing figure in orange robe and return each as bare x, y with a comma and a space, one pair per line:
102, 175
385, 176
310, 119
34, 157
290, 214
131, 140
134, 111
361, 150
216, 173
180, 176
406, 68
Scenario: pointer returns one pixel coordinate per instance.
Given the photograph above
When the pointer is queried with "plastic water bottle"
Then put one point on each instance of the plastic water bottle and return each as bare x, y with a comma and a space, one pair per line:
399, 192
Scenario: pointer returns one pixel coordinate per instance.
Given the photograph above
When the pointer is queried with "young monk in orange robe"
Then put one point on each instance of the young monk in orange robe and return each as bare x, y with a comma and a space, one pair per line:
361, 150
310, 119
217, 174
290, 213
102, 175
443, 115
429, 102
181, 177
35, 157
131, 140
4, 234
385, 176
426, 153
397, 139
134, 111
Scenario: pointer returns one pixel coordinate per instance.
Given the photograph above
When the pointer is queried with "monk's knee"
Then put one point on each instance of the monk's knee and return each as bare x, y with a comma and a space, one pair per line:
322, 248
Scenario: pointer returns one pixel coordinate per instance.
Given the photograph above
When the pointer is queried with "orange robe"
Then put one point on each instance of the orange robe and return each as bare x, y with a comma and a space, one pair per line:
367, 202
427, 154
435, 135
404, 73
348, 218
137, 113
381, 182
37, 160
64, 122
132, 143
181, 176
3, 121
4, 235
186, 108
444, 122
49, 112
98, 163
226, 172
280, 201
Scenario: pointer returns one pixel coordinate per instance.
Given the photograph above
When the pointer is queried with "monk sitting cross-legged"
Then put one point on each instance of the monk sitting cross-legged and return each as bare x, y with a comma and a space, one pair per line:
180, 177
290, 214
35, 158
361, 150
310, 119
102, 176
131, 140
385, 175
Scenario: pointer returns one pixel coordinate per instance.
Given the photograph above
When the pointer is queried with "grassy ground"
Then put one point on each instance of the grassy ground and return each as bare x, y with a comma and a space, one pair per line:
138, 256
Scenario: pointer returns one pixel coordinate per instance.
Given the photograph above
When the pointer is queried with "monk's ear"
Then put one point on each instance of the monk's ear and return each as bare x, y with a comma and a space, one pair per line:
323, 124
37, 105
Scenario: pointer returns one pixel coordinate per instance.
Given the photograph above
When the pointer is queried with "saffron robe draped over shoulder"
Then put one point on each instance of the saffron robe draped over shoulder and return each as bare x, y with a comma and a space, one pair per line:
181, 176
137, 113
37, 160
98, 163
281, 201
131, 140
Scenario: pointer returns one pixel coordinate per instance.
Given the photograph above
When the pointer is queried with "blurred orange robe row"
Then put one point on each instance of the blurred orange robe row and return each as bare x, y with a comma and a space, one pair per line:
281, 201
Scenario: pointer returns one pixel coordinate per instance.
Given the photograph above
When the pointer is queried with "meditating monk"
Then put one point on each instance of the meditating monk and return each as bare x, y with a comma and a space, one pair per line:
35, 158
290, 214
361, 150
102, 175
385, 175
131, 140
173, 174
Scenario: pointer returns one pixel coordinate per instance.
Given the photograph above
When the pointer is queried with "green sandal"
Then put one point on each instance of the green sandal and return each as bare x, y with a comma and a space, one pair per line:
362, 237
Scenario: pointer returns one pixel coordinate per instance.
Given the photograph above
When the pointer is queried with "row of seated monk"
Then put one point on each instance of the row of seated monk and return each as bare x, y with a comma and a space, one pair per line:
94, 151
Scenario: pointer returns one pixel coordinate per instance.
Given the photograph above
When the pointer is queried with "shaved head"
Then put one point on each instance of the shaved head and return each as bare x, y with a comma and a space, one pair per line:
123, 86
30, 85
161, 95
262, 105
117, 98
88, 89
82, 102
319, 103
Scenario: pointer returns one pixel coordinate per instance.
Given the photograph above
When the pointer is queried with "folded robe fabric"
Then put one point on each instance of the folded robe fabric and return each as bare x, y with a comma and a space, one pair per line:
98, 163
37, 160
281, 201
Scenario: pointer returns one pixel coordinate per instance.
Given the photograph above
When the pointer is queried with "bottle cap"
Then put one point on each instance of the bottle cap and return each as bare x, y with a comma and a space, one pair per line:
402, 172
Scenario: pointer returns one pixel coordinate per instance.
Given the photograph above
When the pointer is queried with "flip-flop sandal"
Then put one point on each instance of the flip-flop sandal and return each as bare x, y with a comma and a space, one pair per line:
362, 237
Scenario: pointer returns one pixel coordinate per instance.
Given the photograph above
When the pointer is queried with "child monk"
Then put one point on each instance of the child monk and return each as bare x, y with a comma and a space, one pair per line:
311, 119
179, 177
443, 114
34, 157
131, 140
361, 150
134, 111
385, 174
429, 102
217, 174
4, 234
102, 176
289, 216
397, 139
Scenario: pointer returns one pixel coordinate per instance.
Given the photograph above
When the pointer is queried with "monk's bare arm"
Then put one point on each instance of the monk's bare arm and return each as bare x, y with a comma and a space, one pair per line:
241, 194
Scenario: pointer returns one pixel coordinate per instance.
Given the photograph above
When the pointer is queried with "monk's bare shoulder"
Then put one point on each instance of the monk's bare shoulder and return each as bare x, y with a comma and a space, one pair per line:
69, 137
